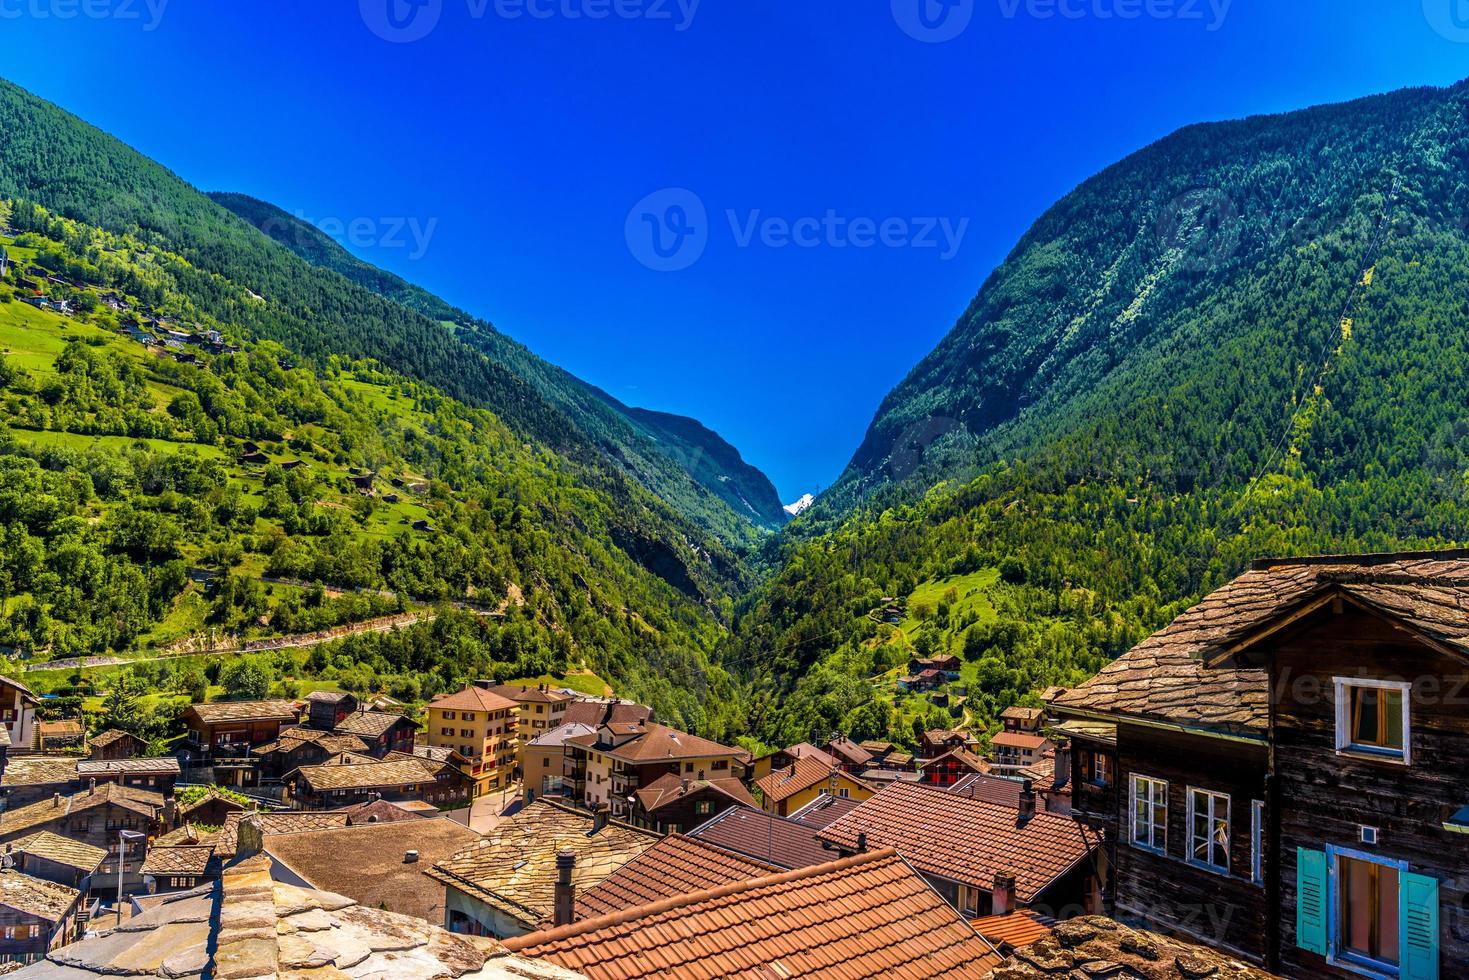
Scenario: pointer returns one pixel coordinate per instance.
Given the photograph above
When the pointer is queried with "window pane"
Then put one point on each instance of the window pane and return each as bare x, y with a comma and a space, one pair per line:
1392, 706
1365, 730
1369, 910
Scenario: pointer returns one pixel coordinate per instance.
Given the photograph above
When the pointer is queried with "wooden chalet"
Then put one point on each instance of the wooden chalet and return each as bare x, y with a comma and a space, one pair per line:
673, 803
93, 816
1288, 759
115, 744
36, 916
230, 729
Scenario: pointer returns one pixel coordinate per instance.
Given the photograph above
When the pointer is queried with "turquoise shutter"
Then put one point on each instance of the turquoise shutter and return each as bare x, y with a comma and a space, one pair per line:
1311, 900
1419, 910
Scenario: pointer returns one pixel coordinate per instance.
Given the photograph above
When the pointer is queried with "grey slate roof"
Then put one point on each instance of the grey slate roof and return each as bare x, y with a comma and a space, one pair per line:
1165, 678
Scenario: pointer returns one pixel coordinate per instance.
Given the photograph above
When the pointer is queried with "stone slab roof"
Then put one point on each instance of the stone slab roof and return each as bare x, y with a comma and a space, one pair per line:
140, 801
514, 868
183, 859
40, 769
34, 896
1094, 946
219, 712
104, 739
165, 765
377, 873
371, 774
867, 916
966, 840
247, 926
1164, 678
764, 837
368, 724
676, 865
61, 850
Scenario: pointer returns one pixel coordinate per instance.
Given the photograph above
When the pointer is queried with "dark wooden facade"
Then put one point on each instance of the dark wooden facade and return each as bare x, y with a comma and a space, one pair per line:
1325, 797
1167, 890
1094, 793
685, 813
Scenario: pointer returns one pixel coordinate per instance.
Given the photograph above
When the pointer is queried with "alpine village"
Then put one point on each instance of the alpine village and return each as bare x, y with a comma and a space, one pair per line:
341, 636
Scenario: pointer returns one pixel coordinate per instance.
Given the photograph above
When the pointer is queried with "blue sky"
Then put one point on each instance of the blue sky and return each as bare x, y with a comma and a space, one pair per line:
831, 180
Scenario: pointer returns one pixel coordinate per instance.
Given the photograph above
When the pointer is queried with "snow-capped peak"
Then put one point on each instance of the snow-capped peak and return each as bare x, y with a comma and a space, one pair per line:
796, 509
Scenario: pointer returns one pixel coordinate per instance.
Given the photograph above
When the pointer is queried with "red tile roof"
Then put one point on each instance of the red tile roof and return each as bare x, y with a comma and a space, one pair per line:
824, 811
1019, 740
595, 713
866, 916
671, 787
801, 775
966, 840
1019, 928
676, 865
996, 789
652, 743
473, 699
764, 837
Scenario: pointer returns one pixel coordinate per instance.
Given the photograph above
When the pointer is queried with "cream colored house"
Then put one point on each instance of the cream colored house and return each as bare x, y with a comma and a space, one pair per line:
481, 726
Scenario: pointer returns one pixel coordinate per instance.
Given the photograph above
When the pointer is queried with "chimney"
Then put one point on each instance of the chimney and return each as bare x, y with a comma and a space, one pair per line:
862, 842
600, 818
170, 810
56, 800
1002, 900
1027, 803
411, 857
92, 787
565, 891
251, 839
1063, 763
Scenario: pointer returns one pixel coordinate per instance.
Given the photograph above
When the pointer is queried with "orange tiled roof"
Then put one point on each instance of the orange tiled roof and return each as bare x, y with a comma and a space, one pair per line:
865, 916
764, 837
1019, 928
473, 699
798, 777
966, 840
652, 742
676, 865
670, 787
1019, 740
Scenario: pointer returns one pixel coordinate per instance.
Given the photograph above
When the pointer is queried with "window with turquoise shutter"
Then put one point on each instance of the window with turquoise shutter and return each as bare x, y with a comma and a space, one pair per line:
1420, 927
1311, 900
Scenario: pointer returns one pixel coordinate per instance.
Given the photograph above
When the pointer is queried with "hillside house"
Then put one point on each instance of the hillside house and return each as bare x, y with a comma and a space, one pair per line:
1324, 828
947, 666
51, 857
383, 732
674, 803
299, 747
347, 780
115, 744
1022, 720
784, 791
786, 757
483, 728
155, 775
545, 763
951, 767
36, 916
18, 713
1016, 750
539, 709
230, 729
93, 816
619, 759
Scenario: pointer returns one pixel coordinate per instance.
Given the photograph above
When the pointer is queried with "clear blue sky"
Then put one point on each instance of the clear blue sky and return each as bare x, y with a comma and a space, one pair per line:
518, 147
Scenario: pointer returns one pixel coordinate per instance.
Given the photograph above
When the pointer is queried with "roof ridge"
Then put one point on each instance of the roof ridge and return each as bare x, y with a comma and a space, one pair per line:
1372, 558
561, 933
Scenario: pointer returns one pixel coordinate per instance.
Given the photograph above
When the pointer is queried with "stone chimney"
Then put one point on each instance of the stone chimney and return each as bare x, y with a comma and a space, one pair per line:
91, 787
1063, 762
1003, 897
1027, 803
600, 818
565, 890
170, 810
56, 800
251, 839
862, 842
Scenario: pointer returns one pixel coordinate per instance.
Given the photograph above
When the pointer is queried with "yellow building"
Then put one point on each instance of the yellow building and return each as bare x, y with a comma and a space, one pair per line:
481, 726
539, 708
784, 791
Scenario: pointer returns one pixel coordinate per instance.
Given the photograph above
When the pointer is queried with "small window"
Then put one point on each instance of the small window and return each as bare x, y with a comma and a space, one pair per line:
702, 808
1150, 813
1372, 718
1208, 821
1257, 842
1101, 773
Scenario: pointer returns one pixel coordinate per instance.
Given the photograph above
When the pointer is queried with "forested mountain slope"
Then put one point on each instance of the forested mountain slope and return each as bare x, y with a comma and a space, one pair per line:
1248, 339
681, 460
54, 159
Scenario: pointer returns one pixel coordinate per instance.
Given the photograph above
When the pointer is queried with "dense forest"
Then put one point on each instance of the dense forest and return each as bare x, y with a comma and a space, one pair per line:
1246, 340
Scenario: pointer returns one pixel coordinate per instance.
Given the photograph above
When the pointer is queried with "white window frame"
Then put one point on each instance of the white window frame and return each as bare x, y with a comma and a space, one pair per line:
1257, 841
1344, 743
1213, 796
1132, 798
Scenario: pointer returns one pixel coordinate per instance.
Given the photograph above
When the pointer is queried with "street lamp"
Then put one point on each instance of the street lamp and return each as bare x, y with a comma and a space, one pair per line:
123, 836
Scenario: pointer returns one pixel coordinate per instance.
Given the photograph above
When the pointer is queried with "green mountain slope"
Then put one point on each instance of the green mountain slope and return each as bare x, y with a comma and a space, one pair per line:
1246, 339
676, 457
